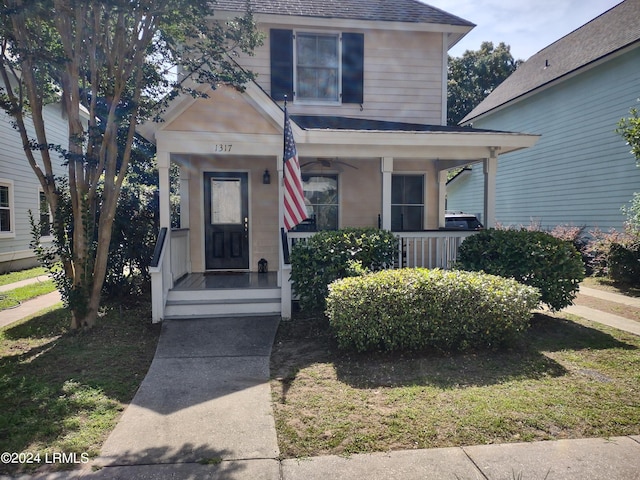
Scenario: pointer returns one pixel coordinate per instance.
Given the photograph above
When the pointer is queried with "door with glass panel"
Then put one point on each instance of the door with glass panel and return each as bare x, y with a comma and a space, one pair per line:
226, 219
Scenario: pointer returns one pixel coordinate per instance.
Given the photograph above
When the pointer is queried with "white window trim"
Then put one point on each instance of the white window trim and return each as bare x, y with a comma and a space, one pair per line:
302, 101
45, 238
12, 209
424, 204
335, 173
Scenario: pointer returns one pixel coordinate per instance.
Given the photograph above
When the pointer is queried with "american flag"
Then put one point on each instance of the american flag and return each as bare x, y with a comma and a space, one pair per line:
295, 210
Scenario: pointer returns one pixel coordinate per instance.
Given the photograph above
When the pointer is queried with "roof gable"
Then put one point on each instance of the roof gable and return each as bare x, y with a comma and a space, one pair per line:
614, 30
409, 11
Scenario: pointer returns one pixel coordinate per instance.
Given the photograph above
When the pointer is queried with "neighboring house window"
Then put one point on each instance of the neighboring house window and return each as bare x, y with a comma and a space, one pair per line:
45, 215
321, 197
6, 207
327, 67
407, 202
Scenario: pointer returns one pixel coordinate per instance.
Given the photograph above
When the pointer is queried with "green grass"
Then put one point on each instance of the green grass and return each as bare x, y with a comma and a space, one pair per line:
568, 379
13, 298
12, 277
63, 391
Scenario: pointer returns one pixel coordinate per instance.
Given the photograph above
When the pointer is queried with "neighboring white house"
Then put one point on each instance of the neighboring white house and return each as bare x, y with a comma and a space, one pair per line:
573, 93
367, 86
20, 191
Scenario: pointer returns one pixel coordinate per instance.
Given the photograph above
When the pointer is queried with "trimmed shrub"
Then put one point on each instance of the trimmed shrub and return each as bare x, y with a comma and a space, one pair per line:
417, 309
533, 258
624, 263
330, 255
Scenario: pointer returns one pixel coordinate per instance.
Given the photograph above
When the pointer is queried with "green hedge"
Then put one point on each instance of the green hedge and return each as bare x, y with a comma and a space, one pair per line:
534, 258
330, 255
624, 263
416, 309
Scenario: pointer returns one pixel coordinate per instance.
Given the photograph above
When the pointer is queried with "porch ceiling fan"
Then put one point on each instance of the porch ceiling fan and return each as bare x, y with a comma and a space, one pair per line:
329, 163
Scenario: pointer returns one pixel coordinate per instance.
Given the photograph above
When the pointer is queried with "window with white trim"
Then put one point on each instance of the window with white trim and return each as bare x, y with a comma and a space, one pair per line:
6, 207
317, 67
45, 215
407, 202
321, 198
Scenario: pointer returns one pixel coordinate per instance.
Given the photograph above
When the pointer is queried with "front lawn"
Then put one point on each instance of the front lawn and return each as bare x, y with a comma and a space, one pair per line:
569, 379
63, 391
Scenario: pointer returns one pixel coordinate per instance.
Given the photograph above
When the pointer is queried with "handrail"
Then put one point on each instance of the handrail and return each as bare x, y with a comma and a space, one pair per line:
157, 251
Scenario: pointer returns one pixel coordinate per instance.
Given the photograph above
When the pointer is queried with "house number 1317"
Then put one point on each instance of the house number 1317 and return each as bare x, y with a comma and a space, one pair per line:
222, 147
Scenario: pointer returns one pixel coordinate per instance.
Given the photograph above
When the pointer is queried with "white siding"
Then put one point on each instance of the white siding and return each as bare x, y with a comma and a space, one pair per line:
14, 166
402, 77
581, 171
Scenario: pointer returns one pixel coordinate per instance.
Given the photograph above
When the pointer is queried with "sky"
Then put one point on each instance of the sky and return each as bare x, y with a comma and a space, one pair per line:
527, 26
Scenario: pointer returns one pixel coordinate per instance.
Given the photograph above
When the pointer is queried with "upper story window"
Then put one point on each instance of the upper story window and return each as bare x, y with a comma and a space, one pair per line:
6, 208
317, 67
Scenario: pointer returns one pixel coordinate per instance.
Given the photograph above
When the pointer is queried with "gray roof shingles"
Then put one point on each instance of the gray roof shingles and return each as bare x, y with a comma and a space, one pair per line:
608, 33
409, 11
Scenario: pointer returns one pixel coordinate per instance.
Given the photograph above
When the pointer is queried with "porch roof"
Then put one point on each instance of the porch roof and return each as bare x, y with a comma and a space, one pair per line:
323, 122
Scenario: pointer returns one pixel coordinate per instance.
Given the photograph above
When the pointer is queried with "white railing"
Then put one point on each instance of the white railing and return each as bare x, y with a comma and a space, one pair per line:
180, 253
160, 271
428, 249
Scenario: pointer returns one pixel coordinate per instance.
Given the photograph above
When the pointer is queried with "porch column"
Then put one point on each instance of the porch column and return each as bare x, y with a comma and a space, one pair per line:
184, 198
442, 197
164, 189
490, 171
386, 165
284, 272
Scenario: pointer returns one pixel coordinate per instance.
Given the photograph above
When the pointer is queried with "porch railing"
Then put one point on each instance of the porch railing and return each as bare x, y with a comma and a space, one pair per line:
180, 253
428, 249
160, 272
171, 261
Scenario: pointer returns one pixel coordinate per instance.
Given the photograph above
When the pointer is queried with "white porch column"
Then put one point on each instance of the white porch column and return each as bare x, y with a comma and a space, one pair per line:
490, 172
386, 165
185, 218
442, 197
164, 189
284, 272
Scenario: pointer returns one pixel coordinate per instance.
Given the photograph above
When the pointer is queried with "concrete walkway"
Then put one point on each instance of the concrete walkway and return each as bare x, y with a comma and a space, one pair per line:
605, 318
204, 412
29, 307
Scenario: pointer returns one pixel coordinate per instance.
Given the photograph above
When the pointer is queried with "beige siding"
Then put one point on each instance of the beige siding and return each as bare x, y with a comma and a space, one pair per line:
402, 79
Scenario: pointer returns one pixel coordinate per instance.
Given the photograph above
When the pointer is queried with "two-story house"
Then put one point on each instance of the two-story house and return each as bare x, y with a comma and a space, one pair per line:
366, 87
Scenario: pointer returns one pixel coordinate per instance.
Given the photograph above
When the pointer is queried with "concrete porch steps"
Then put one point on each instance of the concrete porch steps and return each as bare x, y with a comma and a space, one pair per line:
225, 302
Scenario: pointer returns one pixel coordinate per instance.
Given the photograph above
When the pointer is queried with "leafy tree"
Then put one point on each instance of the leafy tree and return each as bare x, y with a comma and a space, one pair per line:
629, 129
474, 76
106, 62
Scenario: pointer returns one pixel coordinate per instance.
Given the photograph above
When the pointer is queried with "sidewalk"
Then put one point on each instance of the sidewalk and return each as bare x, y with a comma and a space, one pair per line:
204, 412
30, 307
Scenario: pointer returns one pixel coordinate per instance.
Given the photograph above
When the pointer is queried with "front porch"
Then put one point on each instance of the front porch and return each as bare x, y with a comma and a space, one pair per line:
225, 294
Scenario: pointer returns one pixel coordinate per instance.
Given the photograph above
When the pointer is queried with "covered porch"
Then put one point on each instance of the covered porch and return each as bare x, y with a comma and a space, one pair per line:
228, 149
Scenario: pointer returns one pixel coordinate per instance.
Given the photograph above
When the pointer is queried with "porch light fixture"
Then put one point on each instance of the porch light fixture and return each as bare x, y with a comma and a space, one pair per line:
266, 177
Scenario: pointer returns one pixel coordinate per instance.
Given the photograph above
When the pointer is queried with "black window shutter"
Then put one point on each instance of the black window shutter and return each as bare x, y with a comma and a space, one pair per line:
281, 51
352, 68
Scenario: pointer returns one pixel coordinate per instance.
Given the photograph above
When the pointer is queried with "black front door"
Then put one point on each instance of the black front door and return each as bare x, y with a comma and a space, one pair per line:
226, 218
